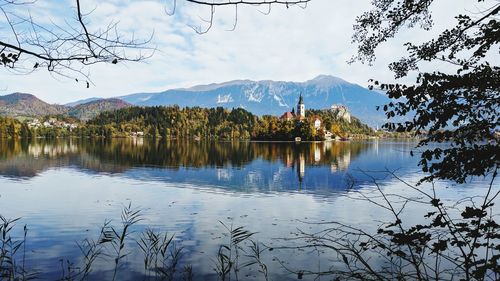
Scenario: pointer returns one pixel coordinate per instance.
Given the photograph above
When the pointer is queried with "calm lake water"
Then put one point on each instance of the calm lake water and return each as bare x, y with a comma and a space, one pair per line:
64, 190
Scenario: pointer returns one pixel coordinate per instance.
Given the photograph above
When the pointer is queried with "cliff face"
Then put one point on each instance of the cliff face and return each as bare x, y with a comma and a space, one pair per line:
341, 112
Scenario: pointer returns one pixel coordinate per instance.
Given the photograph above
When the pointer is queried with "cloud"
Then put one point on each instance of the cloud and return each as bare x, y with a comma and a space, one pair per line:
288, 44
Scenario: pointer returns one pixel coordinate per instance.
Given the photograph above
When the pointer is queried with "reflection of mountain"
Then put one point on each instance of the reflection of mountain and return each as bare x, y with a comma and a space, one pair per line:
241, 165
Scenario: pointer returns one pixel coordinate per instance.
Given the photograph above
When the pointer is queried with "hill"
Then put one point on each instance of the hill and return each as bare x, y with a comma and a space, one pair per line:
89, 110
26, 105
21, 104
218, 123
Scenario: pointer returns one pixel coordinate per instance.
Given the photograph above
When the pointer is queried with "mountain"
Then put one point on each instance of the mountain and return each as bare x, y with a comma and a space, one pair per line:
273, 97
86, 111
21, 104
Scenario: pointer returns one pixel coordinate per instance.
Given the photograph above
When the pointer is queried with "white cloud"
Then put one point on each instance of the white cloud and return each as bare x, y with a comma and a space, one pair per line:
288, 44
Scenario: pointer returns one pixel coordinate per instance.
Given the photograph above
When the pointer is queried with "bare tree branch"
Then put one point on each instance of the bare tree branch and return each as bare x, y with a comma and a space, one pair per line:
64, 50
245, 2
224, 3
68, 49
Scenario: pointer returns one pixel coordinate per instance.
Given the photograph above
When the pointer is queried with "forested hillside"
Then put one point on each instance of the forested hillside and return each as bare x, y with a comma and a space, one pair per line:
19, 105
88, 110
22, 106
174, 122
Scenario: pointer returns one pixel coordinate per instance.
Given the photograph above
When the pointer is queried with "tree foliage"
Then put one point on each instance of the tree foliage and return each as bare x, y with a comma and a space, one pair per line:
459, 107
458, 111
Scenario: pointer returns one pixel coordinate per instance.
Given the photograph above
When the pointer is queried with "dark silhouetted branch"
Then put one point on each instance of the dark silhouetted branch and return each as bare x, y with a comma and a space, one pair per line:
224, 3
65, 50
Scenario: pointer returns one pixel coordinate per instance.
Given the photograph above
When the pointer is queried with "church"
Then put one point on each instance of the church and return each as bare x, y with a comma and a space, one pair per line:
301, 111
301, 114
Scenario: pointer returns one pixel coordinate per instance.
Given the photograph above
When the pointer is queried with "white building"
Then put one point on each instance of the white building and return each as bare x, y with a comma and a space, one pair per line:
317, 123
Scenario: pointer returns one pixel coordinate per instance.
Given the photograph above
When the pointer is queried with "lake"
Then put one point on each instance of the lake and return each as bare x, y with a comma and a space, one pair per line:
64, 190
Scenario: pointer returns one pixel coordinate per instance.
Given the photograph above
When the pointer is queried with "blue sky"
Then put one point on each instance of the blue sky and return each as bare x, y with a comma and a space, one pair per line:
288, 44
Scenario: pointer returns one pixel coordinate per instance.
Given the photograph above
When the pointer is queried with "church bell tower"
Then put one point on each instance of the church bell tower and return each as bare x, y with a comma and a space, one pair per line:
301, 109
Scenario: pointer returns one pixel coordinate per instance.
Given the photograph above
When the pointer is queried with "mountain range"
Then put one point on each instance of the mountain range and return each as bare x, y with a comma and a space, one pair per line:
258, 97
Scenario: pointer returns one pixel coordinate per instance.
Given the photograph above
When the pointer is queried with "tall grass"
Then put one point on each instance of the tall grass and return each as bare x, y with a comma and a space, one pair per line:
161, 256
240, 251
13, 253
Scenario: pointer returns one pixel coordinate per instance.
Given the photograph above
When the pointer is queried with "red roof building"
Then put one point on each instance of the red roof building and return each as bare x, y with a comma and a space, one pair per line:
287, 116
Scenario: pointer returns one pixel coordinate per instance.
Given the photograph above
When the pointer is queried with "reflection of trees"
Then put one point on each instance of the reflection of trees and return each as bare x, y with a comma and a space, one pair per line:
29, 158
171, 154
24, 159
314, 154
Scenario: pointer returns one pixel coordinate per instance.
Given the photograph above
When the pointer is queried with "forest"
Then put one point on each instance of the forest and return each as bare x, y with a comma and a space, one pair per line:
173, 122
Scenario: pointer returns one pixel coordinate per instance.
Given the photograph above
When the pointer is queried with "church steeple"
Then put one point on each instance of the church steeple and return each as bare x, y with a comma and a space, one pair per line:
301, 109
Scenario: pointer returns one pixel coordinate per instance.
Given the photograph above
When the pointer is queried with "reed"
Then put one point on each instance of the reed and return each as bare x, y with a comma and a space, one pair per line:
13, 253
161, 255
239, 252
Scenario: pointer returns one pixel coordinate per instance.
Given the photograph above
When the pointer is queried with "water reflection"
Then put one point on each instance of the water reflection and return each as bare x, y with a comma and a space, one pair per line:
234, 165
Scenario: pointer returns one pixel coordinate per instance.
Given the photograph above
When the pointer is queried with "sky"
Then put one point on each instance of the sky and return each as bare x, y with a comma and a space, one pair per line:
289, 44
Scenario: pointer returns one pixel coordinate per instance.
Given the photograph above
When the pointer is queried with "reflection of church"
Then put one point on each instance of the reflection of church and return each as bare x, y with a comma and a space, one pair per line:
336, 156
298, 162
301, 167
342, 163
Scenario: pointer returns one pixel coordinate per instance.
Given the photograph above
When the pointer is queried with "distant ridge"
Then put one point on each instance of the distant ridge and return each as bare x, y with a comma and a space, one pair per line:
75, 103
